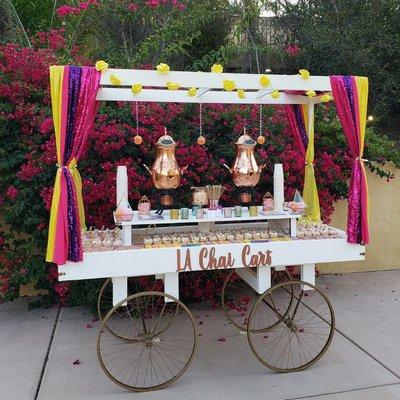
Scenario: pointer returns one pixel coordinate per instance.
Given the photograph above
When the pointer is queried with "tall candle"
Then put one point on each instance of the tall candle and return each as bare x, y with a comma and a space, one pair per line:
278, 188
122, 183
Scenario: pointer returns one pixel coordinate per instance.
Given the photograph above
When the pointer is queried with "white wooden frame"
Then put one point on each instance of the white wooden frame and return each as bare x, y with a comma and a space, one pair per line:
137, 262
210, 87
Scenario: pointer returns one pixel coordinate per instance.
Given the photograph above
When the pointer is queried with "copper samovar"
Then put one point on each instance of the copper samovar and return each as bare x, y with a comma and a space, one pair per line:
165, 172
245, 171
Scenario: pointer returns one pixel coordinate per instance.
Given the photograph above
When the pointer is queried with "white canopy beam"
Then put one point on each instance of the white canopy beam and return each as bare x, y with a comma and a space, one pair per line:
210, 87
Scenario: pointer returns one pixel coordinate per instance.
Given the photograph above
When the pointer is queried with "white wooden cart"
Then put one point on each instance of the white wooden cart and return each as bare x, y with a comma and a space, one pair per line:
148, 339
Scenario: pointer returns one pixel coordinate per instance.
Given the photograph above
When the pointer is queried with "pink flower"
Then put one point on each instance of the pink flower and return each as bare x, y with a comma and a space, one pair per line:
12, 192
83, 6
153, 3
292, 50
2, 241
64, 11
132, 7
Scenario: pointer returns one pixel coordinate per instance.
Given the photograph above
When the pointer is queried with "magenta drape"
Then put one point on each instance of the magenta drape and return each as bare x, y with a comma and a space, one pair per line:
350, 94
73, 91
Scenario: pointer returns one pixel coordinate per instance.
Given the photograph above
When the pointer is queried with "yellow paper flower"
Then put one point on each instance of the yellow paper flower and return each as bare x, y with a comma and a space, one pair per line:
326, 98
229, 85
217, 68
304, 73
275, 94
172, 85
101, 66
192, 92
115, 80
241, 94
136, 88
311, 93
264, 80
163, 68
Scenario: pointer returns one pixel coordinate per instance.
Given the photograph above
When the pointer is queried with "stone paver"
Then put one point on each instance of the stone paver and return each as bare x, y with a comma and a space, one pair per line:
24, 340
367, 312
220, 370
367, 308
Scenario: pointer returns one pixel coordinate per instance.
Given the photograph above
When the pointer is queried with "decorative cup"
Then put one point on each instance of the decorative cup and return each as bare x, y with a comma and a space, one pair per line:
253, 211
184, 213
238, 211
199, 213
195, 207
228, 212
174, 213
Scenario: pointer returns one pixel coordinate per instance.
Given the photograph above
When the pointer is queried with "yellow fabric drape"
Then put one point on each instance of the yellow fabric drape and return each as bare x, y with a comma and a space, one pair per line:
56, 82
310, 192
76, 176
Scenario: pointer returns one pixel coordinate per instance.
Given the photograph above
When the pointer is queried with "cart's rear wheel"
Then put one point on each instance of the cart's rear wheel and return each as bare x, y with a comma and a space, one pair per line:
298, 338
238, 298
153, 342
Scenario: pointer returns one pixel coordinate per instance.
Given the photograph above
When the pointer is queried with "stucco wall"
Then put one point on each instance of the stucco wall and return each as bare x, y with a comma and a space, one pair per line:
383, 252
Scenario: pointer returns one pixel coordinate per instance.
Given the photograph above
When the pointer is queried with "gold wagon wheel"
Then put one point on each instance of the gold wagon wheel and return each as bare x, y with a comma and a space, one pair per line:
298, 338
238, 298
162, 341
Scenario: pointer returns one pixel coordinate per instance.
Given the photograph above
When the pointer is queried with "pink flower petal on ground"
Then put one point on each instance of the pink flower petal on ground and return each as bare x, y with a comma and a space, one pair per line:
265, 336
200, 322
76, 362
95, 319
89, 326
221, 339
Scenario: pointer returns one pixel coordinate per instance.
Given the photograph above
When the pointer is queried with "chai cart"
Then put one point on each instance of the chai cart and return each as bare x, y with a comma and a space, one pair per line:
148, 339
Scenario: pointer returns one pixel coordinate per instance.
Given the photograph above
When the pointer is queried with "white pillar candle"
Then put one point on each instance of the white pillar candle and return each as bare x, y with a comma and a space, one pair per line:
122, 184
278, 188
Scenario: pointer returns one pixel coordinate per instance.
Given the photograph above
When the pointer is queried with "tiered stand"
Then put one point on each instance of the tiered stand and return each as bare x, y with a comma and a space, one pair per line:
148, 339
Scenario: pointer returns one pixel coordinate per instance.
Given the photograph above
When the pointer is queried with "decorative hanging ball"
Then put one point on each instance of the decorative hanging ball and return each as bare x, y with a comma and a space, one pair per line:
261, 139
201, 140
137, 139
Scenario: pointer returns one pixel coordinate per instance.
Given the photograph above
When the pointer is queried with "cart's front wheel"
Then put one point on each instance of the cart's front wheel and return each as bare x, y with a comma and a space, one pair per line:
304, 323
162, 341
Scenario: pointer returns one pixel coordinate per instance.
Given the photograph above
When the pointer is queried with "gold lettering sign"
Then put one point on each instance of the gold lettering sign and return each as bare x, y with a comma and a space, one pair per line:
208, 260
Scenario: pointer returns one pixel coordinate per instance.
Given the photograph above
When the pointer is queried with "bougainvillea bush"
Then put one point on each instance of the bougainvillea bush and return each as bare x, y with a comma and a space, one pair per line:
28, 163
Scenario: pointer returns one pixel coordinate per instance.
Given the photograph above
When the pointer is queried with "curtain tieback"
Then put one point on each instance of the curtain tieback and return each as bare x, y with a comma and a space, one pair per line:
360, 159
309, 163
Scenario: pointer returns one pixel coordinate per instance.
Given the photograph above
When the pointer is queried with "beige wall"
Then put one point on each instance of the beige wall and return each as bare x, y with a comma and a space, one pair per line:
383, 252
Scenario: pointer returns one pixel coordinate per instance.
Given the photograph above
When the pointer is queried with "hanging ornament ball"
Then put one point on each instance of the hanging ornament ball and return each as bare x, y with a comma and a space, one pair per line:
138, 139
261, 139
201, 140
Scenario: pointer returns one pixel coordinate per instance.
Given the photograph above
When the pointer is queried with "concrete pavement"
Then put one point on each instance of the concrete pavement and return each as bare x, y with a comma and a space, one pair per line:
362, 362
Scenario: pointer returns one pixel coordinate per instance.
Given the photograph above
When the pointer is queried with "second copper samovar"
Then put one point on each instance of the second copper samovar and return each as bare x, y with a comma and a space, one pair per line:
245, 170
165, 171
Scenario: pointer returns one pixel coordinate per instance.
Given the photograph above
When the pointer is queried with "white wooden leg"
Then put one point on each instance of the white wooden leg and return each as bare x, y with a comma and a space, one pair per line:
171, 284
308, 273
120, 289
260, 280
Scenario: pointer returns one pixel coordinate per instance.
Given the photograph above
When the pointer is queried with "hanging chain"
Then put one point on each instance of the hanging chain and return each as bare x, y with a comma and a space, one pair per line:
260, 132
201, 118
137, 117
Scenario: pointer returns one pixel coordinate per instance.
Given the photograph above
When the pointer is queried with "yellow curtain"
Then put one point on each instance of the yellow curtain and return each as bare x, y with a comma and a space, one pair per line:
310, 192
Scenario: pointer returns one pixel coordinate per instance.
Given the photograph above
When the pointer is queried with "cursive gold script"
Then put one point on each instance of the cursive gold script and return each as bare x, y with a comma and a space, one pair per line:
208, 260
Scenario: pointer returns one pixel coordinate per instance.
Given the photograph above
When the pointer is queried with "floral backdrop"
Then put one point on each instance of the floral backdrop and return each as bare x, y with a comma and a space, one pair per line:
28, 162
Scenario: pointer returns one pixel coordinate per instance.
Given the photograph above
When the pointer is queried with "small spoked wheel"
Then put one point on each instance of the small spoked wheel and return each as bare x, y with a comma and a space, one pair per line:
238, 298
153, 342
304, 323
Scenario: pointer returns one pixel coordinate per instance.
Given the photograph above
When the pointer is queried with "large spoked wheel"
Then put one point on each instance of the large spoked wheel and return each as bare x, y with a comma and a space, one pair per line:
153, 342
298, 338
238, 298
